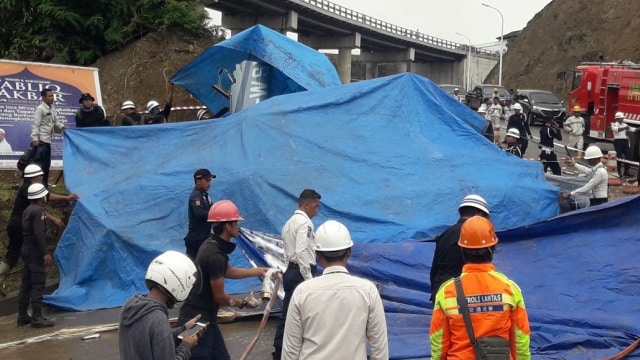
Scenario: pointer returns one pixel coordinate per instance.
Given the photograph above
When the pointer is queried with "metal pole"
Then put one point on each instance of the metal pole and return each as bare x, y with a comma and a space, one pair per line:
501, 39
468, 67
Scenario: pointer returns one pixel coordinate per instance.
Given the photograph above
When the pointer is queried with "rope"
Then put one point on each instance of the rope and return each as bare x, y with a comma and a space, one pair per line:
622, 354
265, 317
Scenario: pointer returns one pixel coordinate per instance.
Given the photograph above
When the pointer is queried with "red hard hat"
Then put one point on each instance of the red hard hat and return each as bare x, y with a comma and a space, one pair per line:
224, 210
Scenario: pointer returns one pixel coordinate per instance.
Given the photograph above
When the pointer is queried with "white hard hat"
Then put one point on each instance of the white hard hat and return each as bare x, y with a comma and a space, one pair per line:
174, 273
593, 152
513, 132
482, 108
475, 201
128, 105
517, 106
333, 236
619, 115
456, 89
36, 191
32, 170
151, 104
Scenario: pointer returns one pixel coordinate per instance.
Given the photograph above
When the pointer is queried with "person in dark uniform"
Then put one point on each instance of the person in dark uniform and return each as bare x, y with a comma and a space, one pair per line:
32, 175
447, 259
549, 132
199, 204
131, 116
35, 257
157, 116
213, 262
519, 121
89, 114
514, 146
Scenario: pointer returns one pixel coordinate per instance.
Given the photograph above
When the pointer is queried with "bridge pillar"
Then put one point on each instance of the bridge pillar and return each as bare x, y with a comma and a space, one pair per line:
282, 24
402, 59
344, 44
371, 71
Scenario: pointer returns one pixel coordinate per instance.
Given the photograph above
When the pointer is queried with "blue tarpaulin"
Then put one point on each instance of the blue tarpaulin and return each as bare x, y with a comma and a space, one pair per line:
392, 158
295, 67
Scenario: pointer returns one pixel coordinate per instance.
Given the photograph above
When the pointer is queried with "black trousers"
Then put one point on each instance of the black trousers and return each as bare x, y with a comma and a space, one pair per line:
594, 202
550, 161
33, 283
290, 281
14, 249
621, 147
43, 158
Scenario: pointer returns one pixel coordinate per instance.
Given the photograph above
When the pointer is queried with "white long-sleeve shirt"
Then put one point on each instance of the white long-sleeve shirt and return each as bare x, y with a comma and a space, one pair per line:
597, 187
495, 111
620, 130
574, 125
333, 317
45, 122
299, 242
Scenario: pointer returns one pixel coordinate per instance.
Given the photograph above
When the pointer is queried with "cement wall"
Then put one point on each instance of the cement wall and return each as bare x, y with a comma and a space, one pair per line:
441, 72
480, 69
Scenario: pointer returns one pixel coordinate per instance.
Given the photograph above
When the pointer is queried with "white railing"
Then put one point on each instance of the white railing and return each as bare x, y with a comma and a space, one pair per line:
394, 29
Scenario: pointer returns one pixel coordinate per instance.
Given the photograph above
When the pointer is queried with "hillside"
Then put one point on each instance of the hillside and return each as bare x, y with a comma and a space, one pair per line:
565, 33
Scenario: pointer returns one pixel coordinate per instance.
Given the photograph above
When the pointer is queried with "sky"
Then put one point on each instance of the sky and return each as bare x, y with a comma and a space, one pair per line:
443, 18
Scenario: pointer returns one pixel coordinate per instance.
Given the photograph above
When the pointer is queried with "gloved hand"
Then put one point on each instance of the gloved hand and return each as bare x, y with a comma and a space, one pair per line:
252, 302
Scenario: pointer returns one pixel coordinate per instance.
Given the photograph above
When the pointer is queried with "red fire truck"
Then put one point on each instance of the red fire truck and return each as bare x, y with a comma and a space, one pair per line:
601, 90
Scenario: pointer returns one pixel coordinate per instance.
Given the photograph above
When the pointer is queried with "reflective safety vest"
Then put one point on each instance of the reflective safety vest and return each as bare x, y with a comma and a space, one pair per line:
497, 309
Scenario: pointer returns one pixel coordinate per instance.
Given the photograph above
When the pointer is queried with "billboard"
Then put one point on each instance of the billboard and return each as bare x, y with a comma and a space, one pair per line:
20, 86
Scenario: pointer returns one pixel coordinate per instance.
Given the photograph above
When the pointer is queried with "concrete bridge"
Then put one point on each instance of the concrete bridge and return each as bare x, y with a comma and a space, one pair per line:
322, 24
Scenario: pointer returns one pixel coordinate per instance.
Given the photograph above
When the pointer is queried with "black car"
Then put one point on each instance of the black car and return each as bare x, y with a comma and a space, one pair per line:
539, 105
476, 97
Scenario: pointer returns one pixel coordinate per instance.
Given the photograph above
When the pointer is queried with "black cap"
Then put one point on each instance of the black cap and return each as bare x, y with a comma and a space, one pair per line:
85, 96
203, 173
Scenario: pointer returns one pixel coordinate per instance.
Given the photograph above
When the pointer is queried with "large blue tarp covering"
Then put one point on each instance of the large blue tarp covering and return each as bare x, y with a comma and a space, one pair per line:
392, 158
578, 274
296, 67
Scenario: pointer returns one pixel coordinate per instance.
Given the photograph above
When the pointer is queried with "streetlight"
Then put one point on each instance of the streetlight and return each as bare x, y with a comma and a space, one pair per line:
467, 77
501, 36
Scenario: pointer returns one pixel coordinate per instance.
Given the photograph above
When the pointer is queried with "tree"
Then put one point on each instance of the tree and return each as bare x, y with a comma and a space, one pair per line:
80, 31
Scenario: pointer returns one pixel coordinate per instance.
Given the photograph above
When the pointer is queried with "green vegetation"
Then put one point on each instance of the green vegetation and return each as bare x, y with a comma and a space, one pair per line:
81, 31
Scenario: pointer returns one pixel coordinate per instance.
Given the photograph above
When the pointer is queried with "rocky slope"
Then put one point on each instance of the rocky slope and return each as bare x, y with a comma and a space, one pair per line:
565, 33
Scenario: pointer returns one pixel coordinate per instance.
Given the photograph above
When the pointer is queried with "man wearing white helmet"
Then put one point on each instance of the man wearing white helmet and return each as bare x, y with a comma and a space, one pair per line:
204, 114
457, 96
35, 256
621, 142
514, 147
32, 175
597, 189
131, 116
157, 116
335, 315
144, 331
447, 260
519, 121
495, 111
488, 130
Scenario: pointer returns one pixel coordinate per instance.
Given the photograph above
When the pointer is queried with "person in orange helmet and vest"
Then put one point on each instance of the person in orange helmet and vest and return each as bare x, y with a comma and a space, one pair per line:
495, 302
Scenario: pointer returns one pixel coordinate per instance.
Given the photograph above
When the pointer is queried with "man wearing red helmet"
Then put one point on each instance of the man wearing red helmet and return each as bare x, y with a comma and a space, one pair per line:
213, 261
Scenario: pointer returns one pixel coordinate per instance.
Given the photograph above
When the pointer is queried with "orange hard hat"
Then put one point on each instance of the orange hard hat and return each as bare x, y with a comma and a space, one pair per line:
477, 232
577, 108
224, 210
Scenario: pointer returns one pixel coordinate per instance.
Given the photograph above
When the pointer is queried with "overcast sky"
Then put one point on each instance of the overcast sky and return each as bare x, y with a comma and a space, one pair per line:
443, 18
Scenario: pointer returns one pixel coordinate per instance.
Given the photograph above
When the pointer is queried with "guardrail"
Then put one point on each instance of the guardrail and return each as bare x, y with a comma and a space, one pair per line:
394, 29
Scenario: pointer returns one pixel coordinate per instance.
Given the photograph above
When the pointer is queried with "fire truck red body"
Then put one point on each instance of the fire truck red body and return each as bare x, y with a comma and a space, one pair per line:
601, 90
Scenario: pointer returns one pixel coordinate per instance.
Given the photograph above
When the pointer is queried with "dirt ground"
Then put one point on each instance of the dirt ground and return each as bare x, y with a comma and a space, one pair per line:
141, 71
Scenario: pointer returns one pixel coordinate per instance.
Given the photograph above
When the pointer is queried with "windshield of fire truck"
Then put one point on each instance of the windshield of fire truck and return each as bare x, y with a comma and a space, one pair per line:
577, 77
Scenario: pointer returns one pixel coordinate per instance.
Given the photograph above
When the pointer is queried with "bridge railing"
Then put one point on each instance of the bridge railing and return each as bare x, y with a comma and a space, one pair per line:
394, 29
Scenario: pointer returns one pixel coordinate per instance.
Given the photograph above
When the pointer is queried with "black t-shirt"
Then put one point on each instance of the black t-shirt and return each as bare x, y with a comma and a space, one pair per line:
91, 118
212, 260
132, 119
